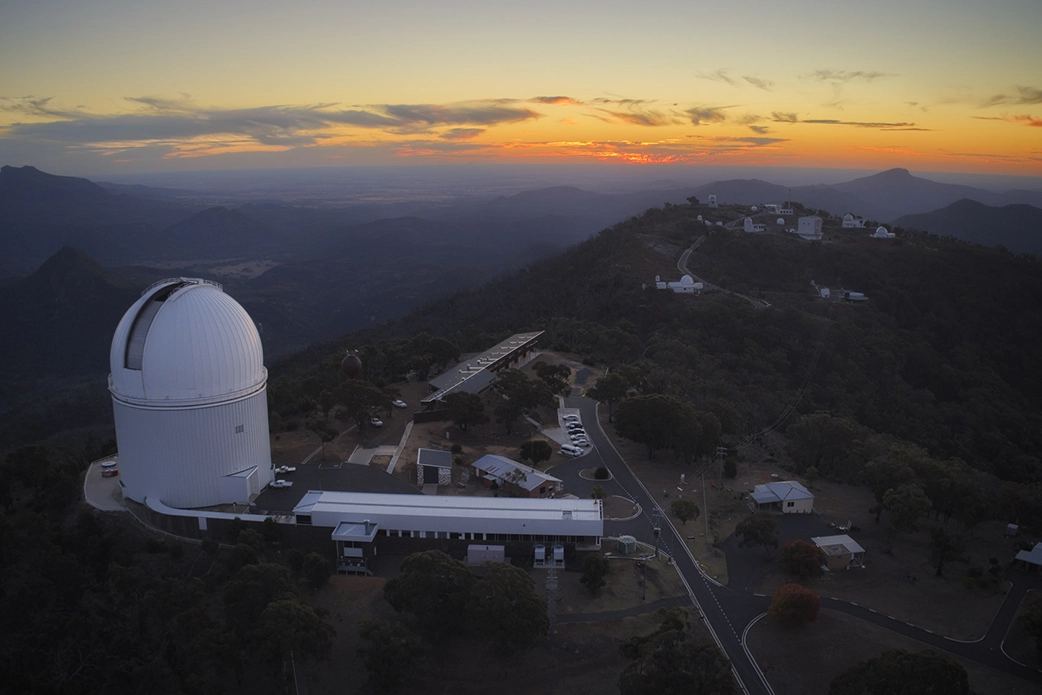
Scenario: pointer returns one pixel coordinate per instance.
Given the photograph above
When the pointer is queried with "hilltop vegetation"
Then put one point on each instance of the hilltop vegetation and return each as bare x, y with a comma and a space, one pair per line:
940, 358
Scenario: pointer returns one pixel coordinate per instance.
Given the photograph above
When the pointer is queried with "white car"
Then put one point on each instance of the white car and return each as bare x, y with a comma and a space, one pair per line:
581, 442
286, 469
571, 450
574, 426
399, 404
282, 483
376, 422
577, 434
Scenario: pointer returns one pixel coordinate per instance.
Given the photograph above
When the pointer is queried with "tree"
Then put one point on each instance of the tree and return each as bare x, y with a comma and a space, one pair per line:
318, 569
898, 672
595, 568
358, 400
905, 505
944, 546
1031, 621
610, 389
794, 605
652, 420
730, 469
598, 492
251, 590
466, 409
290, 624
670, 661
434, 588
389, 653
557, 377
803, 559
505, 608
507, 413
536, 451
758, 529
526, 393
884, 474
684, 510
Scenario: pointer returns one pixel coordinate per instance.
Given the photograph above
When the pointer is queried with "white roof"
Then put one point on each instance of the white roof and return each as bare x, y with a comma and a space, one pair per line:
500, 467
837, 545
785, 490
455, 513
1034, 556
185, 342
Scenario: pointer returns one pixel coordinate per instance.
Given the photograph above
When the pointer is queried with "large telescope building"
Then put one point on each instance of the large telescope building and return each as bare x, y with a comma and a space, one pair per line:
189, 394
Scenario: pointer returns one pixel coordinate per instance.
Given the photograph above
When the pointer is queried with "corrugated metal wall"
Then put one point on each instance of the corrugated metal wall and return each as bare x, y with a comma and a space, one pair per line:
179, 454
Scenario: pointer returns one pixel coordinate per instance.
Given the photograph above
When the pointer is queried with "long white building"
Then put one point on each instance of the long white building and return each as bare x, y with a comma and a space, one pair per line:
491, 519
189, 395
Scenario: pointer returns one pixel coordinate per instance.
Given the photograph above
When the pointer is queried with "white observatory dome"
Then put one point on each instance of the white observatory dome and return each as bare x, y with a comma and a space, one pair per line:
189, 397
185, 341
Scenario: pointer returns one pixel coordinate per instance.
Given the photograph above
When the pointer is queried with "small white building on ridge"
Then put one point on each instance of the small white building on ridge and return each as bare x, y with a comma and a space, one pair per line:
751, 226
686, 285
809, 228
787, 496
882, 233
850, 221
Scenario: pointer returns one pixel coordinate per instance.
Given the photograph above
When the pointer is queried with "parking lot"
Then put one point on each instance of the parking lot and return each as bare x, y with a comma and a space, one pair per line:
328, 475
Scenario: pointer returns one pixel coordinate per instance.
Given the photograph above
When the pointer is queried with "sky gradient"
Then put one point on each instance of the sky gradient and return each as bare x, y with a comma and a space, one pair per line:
117, 87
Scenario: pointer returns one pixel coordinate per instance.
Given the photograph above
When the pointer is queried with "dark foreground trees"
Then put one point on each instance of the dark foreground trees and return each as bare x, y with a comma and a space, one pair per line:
433, 588
388, 654
670, 660
898, 672
505, 608
756, 529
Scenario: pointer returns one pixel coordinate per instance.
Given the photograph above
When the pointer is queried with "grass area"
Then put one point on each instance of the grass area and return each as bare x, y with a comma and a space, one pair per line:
805, 660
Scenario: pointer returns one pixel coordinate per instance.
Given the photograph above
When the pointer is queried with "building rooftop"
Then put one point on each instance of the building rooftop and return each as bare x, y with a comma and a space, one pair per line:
837, 545
503, 468
476, 373
434, 457
785, 490
368, 505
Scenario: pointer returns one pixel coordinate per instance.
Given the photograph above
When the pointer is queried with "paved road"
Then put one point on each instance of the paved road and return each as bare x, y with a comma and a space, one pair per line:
728, 612
718, 605
682, 267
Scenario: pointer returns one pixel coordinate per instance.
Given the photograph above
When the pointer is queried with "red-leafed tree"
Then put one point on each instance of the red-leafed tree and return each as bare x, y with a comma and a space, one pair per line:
803, 559
794, 605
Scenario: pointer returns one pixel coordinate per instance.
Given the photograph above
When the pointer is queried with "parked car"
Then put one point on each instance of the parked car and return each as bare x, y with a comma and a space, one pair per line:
570, 450
570, 417
574, 426
282, 483
577, 434
286, 469
581, 441
399, 404
376, 422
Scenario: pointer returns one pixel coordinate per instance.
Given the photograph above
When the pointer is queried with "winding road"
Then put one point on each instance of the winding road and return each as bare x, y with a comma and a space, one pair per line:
729, 613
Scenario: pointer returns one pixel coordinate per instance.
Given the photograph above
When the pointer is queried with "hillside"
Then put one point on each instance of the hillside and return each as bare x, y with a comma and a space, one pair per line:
1017, 227
930, 359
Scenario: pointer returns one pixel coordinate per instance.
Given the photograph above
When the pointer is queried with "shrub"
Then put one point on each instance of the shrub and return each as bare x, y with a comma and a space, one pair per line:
601, 473
457, 448
794, 605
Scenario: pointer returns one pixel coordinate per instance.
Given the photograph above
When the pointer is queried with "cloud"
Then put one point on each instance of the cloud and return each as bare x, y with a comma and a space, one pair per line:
788, 117
718, 76
1024, 119
182, 128
1025, 96
556, 101
760, 129
704, 115
461, 133
642, 118
759, 83
846, 76
756, 142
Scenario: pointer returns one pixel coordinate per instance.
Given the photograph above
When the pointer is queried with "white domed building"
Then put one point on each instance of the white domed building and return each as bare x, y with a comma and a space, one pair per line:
189, 394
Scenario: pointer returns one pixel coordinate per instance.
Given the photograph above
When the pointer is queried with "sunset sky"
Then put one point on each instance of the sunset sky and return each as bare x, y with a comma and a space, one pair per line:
110, 86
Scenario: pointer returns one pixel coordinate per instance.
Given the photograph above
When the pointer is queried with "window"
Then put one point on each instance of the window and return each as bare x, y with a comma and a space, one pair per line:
542, 489
304, 519
790, 504
239, 429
